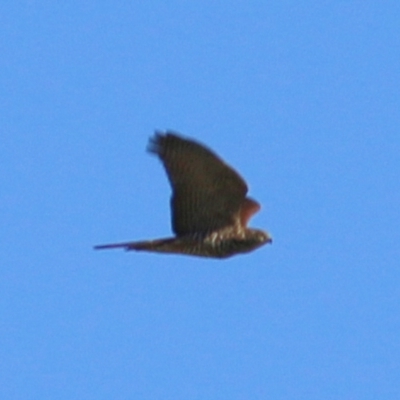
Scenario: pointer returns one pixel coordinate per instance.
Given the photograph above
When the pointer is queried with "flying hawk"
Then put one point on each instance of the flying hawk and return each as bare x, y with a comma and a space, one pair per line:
210, 210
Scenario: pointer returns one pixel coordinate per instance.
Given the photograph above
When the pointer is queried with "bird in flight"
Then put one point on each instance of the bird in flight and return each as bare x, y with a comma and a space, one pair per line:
209, 207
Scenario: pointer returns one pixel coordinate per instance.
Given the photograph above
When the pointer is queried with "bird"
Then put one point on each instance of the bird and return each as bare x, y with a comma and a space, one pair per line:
209, 207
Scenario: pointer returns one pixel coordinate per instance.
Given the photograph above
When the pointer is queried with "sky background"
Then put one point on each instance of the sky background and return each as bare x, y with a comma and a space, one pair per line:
302, 98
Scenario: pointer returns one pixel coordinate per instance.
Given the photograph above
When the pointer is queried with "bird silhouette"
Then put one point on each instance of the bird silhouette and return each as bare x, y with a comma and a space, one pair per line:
209, 207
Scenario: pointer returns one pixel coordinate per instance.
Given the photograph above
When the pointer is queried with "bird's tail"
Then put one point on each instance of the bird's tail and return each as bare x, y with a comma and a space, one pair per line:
159, 245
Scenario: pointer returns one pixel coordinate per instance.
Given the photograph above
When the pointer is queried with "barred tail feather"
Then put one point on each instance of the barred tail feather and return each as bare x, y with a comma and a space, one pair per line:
111, 246
160, 245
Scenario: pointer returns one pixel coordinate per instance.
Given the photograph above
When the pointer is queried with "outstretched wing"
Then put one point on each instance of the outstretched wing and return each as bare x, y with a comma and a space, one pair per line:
207, 193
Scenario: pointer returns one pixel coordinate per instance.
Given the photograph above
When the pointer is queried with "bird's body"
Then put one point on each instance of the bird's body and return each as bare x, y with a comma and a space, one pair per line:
218, 244
210, 209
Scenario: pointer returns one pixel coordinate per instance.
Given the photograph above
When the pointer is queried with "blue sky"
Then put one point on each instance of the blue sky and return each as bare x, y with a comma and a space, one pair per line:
301, 97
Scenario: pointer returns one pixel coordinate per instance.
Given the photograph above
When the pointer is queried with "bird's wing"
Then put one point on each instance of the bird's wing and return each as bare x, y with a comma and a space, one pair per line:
207, 193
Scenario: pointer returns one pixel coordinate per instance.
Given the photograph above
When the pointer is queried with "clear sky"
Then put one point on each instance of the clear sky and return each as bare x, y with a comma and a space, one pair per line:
302, 98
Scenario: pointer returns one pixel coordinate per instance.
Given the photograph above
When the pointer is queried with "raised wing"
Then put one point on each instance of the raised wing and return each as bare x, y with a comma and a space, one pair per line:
207, 193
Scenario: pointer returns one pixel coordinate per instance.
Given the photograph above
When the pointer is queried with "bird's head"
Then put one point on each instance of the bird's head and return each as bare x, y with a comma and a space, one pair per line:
261, 237
255, 238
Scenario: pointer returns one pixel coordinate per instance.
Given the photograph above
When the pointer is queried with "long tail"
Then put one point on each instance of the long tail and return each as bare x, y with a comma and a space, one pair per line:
149, 245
